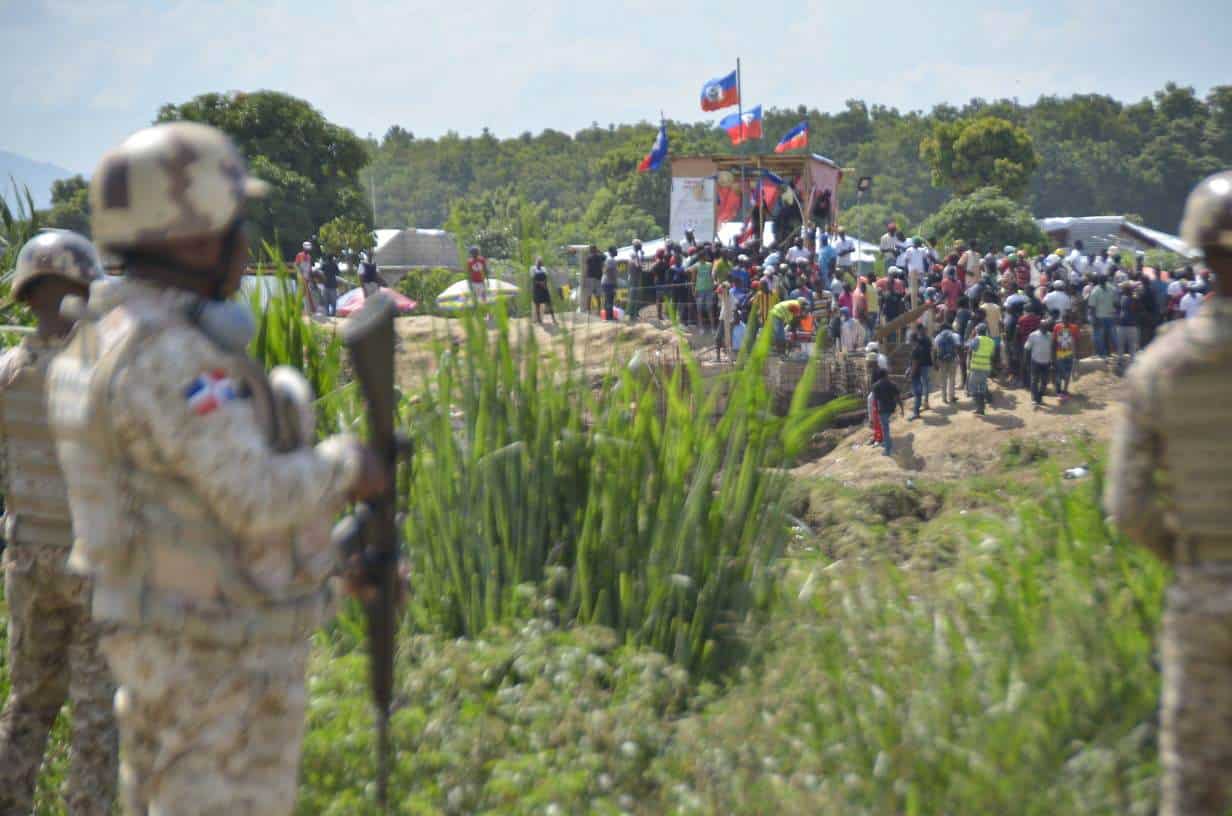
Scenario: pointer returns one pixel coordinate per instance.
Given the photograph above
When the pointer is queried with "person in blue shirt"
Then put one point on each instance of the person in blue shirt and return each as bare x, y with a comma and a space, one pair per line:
827, 256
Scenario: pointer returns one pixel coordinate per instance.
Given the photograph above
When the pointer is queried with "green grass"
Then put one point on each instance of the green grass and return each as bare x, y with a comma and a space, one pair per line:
609, 613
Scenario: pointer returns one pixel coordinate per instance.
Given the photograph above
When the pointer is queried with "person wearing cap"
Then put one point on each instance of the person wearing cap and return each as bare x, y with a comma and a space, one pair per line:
1191, 301
329, 284
303, 268
637, 280
1169, 479
53, 641
1057, 301
201, 506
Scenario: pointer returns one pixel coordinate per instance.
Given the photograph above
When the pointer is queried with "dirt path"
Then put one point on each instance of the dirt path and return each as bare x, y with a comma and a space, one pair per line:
950, 441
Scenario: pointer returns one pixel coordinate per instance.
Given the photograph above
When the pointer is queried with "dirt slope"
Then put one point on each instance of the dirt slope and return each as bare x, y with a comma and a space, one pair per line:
950, 442
597, 343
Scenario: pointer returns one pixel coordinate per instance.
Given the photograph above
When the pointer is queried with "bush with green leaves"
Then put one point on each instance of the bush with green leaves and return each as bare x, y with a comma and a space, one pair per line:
636, 504
986, 217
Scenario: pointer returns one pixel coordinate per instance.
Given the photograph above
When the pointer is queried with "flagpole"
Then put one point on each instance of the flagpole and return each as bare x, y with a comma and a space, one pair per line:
740, 118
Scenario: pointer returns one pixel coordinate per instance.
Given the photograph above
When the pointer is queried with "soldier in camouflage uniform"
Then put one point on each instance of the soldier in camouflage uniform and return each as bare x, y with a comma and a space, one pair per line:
1174, 425
202, 509
53, 644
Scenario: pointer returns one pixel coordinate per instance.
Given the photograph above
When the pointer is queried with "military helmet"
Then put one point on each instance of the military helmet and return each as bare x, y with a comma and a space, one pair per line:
56, 253
1207, 222
169, 182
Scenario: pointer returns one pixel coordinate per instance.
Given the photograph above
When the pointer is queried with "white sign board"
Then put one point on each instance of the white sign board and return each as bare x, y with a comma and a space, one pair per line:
692, 208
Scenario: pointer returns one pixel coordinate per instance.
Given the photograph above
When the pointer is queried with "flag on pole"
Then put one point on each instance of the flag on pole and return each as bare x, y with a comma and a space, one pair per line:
720, 93
658, 151
770, 187
794, 139
741, 129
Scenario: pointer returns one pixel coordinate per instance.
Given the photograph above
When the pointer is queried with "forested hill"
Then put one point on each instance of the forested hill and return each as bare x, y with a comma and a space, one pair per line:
1095, 155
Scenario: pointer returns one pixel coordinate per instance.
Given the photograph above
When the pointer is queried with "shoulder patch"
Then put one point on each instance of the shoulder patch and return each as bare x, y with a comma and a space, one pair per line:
209, 391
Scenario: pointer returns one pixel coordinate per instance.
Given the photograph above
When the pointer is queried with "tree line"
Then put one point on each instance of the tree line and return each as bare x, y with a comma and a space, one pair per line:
1085, 154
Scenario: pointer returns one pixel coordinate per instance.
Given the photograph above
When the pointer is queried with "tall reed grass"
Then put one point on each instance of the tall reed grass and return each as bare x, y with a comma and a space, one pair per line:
635, 504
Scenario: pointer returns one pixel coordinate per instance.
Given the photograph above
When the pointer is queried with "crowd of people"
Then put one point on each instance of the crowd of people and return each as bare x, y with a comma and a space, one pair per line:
979, 315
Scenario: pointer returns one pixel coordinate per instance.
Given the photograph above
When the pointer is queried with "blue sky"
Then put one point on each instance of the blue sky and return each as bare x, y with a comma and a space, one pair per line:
81, 74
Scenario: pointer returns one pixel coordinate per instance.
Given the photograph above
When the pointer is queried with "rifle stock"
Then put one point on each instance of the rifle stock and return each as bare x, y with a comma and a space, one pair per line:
369, 338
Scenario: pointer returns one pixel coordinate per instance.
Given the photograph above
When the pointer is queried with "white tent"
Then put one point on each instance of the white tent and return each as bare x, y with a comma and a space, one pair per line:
457, 296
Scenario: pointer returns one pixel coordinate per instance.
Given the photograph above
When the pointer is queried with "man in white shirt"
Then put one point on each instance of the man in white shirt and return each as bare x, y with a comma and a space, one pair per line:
1039, 346
969, 263
1076, 260
1192, 300
797, 252
1057, 301
916, 259
888, 246
846, 249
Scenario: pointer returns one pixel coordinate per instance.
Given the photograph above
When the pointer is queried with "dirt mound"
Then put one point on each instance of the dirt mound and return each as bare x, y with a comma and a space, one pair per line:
951, 442
597, 344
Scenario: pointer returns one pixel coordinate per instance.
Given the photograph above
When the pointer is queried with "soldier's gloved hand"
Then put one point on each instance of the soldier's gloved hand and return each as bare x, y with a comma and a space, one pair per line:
374, 476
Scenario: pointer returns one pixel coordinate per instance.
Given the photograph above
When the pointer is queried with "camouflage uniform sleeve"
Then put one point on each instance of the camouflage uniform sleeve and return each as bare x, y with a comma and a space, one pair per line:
9, 363
222, 451
1132, 495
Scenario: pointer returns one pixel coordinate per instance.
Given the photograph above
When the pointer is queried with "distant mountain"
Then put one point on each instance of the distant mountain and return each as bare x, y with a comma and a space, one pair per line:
36, 175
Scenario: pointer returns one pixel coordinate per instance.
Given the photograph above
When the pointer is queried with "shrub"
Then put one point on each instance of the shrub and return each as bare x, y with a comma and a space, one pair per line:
629, 505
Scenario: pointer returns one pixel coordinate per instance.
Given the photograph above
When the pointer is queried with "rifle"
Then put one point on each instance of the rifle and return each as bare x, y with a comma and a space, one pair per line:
372, 531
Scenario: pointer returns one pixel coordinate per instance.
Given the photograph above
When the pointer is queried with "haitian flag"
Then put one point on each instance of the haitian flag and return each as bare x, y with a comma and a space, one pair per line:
720, 93
741, 131
770, 184
793, 139
658, 152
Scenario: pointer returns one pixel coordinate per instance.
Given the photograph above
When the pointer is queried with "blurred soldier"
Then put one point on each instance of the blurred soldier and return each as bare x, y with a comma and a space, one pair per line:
1174, 422
53, 643
201, 509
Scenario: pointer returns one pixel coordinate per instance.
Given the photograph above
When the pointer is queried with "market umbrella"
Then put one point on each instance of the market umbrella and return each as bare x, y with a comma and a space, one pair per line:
353, 301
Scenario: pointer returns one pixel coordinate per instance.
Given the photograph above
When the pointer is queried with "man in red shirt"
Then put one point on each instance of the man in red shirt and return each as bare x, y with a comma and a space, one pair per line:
950, 290
1064, 342
303, 266
477, 270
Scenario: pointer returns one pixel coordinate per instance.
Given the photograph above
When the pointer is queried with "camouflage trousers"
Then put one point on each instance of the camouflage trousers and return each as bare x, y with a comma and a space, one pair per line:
208, 729
1196, 736
53, 657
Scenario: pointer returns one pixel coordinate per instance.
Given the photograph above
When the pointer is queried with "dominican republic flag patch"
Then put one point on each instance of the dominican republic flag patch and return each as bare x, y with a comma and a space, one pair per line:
209, 391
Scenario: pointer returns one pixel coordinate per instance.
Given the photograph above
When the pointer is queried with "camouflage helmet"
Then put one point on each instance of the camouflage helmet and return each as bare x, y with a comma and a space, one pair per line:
56, 253
1207, 222
169, 182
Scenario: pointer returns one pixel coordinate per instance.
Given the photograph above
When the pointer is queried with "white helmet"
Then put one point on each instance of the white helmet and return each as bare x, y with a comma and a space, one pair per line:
1058, 284
307, 245
169, 182
56, 253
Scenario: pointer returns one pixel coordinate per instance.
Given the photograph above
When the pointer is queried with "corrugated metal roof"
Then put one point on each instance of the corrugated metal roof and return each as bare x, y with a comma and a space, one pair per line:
1098, 232
416, 248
